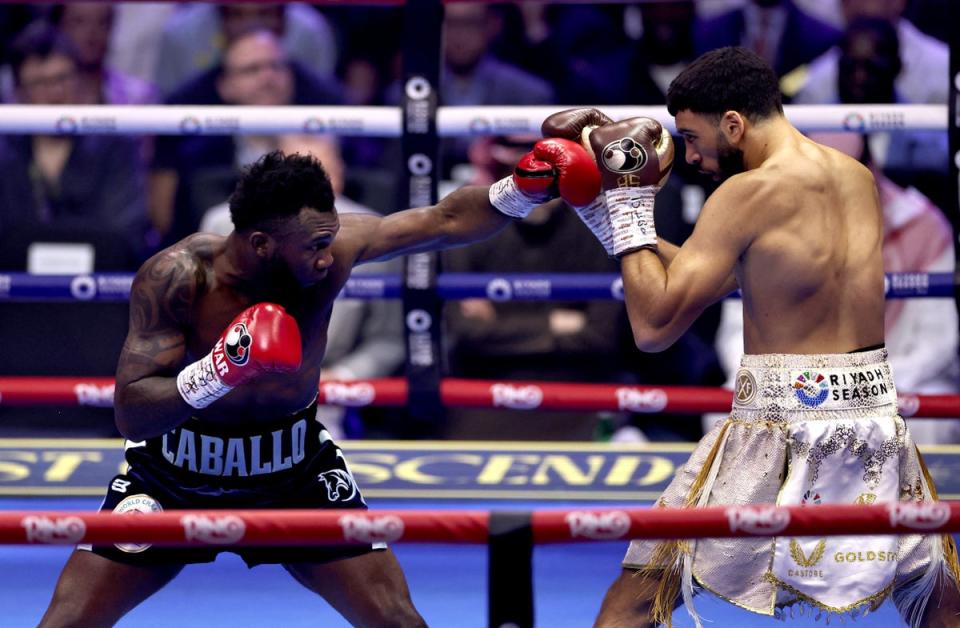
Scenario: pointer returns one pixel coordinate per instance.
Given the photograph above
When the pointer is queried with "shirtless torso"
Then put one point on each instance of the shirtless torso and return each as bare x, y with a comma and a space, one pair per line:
799, 232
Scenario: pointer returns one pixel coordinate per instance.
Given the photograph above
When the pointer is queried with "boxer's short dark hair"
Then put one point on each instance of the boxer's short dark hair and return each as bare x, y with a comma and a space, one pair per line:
278, 186
727, 79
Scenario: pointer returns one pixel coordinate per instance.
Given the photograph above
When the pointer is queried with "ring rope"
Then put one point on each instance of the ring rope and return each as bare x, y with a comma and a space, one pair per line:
497, 287
315, 527
387, 121
31, 391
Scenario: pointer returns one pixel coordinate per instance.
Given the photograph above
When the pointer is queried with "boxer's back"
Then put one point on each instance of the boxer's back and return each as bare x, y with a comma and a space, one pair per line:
812, 279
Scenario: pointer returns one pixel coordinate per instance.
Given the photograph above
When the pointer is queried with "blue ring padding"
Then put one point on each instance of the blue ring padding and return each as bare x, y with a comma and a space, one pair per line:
499, 287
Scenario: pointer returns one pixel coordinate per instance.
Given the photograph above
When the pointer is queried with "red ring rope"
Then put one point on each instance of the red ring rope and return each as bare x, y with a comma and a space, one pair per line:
460, 393
300, 527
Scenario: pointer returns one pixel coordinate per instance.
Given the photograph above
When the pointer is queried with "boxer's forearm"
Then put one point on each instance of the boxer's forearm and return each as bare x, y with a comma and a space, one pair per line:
466, 215
462, 217
660, 305
149, 407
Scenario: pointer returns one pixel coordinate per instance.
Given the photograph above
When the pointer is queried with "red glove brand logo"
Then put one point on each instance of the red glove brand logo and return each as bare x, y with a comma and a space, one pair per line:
237, 344
605, 525
214, 530
624, 155
516, 397
370, 529
59, 530
764, 520
922, 516
353, 395
634, 400
135, 505
93, 395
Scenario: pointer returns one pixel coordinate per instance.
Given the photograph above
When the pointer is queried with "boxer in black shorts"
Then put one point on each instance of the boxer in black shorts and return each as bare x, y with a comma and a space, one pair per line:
218, 376
187, 466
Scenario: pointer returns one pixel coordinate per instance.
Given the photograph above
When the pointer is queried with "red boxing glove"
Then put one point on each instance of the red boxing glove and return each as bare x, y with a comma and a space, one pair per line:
261, 339
578, 179
533, 177
531, 184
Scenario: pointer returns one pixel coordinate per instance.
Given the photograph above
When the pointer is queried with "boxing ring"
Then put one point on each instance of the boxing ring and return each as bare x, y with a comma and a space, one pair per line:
475, 553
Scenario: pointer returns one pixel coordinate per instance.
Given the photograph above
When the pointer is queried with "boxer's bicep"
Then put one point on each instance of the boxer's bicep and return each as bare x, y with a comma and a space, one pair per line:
664, 300
707, 261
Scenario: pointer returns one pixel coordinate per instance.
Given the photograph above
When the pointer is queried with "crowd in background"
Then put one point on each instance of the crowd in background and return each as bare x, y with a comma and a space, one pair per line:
130, 196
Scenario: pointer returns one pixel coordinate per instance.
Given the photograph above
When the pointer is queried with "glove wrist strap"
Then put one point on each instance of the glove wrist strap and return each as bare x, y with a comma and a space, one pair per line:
199, 384
631, 218
510, 200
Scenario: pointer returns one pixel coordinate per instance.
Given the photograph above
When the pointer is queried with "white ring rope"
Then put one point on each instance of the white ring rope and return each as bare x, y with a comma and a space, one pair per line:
387, 121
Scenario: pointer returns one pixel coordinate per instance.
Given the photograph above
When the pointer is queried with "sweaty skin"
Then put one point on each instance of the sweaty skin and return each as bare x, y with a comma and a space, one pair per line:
185, 296
799, 232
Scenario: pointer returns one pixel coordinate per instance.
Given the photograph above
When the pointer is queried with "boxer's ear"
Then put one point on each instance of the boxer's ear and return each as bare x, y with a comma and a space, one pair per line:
733, 125
263, 244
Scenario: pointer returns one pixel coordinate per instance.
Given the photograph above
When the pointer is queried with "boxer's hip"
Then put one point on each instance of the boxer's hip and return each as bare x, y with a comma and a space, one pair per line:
804, 387
198, 455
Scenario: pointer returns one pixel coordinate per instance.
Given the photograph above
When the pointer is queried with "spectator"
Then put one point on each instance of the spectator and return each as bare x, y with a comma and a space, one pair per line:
542, 340
192, 173
870, 67
584, 53
473, 76
365, 337
665, 47
777, 30
924, 77
922, 333
84, 181
197, 36
88, 26
135, 41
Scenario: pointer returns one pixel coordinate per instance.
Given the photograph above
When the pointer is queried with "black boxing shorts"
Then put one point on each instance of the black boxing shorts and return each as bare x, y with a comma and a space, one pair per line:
291, 463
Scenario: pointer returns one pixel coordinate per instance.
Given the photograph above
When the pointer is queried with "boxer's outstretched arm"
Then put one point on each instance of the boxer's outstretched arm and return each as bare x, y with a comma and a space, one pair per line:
146, 400
462, 217
663, 299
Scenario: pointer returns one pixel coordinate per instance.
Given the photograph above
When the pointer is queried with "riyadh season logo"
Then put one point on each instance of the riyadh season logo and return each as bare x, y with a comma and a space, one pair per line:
479, 126
499, 289
811, 388
854, 122
190, 125
313, 124
66, 125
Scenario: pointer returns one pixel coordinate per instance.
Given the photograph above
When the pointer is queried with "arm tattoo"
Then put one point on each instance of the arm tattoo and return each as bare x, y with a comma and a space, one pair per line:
160, 304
